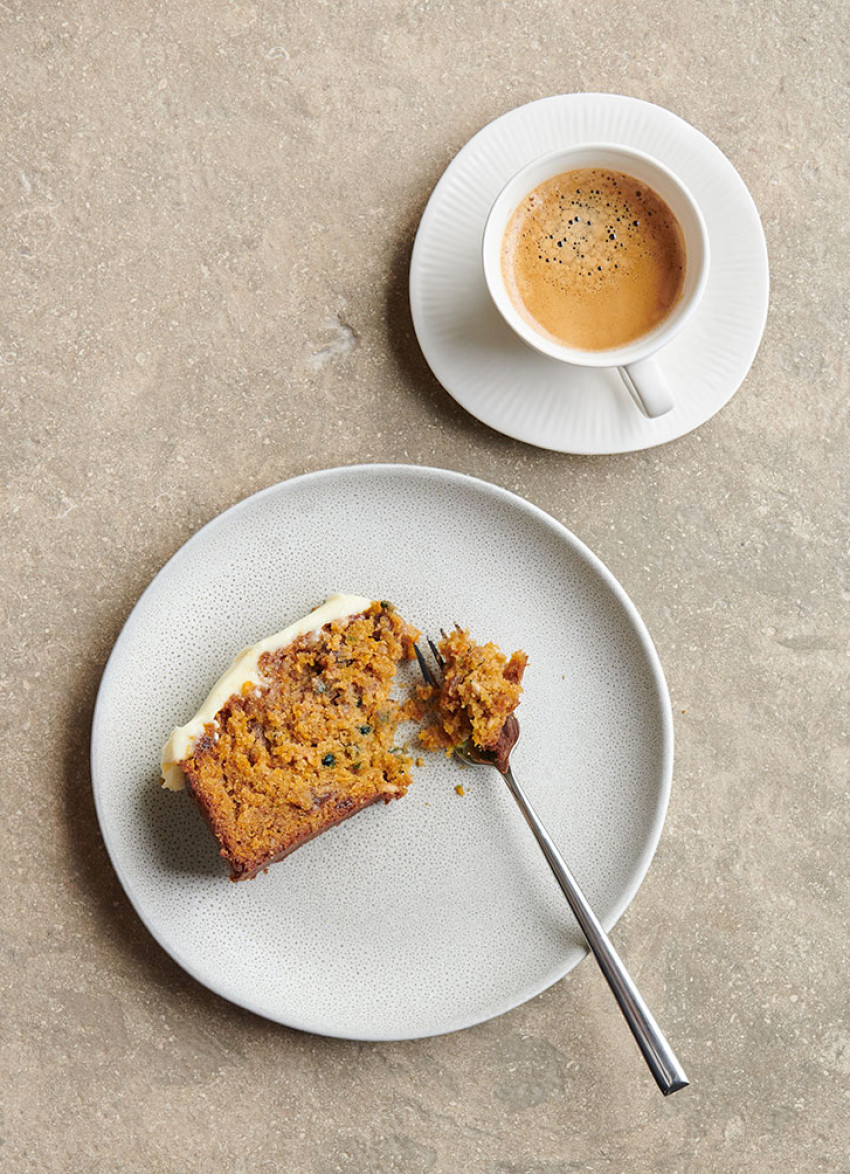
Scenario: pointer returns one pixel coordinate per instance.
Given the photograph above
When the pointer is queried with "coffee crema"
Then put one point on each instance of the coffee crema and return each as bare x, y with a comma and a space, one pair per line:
593, 259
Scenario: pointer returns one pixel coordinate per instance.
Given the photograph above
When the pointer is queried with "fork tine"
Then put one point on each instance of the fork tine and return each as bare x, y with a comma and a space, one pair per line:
436, 652
423, 665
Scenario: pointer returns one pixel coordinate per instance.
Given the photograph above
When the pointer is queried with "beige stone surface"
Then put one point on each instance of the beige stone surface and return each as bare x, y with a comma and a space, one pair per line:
207, 215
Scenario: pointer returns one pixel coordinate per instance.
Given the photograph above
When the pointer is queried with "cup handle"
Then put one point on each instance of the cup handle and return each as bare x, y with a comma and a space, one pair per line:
647, 384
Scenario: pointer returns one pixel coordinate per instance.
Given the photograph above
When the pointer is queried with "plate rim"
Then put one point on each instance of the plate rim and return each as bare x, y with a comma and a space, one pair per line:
665, 765
571, 447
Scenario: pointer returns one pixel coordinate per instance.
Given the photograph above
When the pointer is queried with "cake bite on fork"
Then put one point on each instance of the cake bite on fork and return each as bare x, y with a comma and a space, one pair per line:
472, 703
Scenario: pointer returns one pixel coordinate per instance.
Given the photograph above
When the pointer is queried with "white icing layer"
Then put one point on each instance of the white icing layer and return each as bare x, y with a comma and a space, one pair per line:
245, 670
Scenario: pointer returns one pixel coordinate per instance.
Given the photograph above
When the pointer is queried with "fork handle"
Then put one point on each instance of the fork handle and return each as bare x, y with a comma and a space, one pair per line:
668, 1072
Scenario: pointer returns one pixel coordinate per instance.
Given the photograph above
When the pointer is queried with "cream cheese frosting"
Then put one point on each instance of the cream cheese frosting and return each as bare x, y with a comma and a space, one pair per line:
245, 670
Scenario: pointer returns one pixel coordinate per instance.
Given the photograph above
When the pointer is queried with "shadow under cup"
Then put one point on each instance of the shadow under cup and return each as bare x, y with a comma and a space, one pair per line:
635, 360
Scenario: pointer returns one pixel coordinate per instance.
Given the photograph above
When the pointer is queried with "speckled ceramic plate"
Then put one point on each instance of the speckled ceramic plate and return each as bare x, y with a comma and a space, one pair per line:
436, 911
525, 394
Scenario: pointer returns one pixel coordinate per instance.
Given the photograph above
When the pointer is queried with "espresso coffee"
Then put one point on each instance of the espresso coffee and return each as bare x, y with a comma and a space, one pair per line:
593, 259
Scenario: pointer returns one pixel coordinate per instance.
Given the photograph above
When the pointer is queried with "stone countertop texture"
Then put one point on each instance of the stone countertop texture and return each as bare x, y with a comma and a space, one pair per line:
207, 217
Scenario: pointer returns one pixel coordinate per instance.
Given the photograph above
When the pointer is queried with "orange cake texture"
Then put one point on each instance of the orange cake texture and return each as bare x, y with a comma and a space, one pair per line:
480, 688
309, 745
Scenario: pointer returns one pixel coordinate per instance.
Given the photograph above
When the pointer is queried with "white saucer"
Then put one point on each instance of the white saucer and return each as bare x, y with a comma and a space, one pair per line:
528, 396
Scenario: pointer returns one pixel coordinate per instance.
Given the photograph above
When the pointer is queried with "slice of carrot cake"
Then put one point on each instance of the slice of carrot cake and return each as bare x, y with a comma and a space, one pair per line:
479, 690
298, 734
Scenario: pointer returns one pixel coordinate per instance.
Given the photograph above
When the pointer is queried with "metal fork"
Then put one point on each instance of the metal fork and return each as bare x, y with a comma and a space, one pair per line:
668, 1072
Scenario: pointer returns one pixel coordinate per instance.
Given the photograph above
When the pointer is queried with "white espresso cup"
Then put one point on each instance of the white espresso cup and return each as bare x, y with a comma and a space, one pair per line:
636, 361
